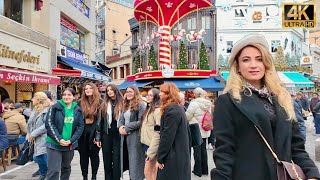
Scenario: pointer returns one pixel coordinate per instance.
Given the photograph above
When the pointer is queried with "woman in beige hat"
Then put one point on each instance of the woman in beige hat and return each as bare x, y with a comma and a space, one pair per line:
255, 96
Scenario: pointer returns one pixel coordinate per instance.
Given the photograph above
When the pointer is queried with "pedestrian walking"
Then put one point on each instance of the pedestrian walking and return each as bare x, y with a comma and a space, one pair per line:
37, 132
107, 135
129, 126
256, 105
299, 117
195, 113
315, 99
90, 103
64, 127
173, 158
150, 133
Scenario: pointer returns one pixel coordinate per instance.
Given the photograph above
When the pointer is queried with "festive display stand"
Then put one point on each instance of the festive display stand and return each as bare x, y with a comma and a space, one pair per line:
157, 66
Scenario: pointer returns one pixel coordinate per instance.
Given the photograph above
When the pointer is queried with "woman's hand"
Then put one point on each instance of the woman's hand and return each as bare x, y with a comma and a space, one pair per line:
64, 142
30, 139
122, 130
160, 166
98, 143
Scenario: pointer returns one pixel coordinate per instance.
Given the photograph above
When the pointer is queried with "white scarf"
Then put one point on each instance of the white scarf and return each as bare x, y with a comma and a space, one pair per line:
109, 113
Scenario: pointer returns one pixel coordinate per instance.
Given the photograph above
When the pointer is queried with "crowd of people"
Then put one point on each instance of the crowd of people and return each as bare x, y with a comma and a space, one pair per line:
149, 138
258, 126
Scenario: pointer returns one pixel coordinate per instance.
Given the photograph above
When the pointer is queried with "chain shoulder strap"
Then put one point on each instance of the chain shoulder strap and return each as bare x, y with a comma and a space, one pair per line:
266, 142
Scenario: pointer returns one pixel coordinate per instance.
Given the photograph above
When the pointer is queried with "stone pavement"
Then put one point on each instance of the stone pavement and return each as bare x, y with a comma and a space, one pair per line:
25, 172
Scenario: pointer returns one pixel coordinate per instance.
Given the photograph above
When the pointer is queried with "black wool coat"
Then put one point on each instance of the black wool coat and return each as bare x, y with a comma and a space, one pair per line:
175, 145
240, 152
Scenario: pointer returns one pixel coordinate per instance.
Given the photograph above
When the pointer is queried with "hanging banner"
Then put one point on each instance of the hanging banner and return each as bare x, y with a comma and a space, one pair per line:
74, 55
81, 7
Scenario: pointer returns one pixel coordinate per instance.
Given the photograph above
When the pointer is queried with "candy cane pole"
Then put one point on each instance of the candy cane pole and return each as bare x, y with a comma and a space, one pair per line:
165, 49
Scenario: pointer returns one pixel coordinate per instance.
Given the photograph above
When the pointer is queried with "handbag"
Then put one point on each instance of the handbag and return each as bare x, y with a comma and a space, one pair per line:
207, 122
25, 154
195, 135
285, 170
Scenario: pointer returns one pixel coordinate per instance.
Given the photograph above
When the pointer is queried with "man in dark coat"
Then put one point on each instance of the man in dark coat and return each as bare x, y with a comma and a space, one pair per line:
313, 102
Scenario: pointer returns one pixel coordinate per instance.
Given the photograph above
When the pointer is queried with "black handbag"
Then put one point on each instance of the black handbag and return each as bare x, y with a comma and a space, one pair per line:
26, 154
195, 135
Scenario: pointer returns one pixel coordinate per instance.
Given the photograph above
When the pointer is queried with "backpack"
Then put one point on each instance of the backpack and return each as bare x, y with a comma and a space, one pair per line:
207, 121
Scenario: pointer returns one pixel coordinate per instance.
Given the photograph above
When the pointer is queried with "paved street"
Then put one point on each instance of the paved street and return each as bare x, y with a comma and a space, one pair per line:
24, 172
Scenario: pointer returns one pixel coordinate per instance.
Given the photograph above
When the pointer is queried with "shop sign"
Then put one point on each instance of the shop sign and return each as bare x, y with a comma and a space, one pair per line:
306, 60
73, 55
81, 7
19, 53
94, 76
7, 75
171, 73
68, 24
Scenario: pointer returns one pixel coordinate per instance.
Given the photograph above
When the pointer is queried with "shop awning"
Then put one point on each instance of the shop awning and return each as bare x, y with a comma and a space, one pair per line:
208, 84
86, 71
27, 77
290, 79
126, 84
298, 79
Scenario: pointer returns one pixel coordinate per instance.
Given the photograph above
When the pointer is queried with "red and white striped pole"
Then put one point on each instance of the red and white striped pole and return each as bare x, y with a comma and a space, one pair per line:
165, 49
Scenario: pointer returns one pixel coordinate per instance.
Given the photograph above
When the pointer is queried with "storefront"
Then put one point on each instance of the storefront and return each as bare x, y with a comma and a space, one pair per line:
294, 81
185, 80
24, 68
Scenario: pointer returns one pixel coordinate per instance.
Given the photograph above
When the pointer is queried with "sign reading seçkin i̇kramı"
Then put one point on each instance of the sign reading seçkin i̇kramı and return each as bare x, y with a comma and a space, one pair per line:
298, 15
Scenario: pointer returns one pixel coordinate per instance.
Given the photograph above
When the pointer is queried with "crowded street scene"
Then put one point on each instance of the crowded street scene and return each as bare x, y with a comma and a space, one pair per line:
159, 89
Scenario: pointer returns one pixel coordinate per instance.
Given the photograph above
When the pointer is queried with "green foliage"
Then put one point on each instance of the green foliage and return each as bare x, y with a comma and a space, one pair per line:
203, 63
152, 58
183, 62
137, 61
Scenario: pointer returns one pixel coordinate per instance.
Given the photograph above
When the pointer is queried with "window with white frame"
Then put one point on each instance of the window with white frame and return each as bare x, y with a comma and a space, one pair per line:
205, 22
192, 23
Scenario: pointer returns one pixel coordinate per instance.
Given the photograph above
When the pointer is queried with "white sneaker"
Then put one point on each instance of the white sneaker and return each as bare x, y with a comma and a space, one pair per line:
210, 147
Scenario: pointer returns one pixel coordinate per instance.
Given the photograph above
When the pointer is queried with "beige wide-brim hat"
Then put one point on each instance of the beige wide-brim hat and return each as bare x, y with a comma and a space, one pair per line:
245, 41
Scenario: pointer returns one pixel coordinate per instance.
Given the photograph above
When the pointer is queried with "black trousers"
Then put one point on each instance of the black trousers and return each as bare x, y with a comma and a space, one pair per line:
88, 150
111, 155
212, 139
59, 164
200, 159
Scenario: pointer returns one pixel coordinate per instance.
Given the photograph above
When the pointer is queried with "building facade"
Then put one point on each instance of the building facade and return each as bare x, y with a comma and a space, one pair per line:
26, 55
199, 22
112, 27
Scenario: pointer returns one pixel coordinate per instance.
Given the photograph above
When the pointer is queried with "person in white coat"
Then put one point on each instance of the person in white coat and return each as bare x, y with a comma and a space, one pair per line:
195, 112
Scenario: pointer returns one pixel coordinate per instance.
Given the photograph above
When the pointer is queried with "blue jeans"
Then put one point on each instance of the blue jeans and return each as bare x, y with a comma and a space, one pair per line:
42, 163
317, 123
20, 140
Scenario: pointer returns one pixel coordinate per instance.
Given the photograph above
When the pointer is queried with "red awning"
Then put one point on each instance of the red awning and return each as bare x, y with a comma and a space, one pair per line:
66, 72
27, 77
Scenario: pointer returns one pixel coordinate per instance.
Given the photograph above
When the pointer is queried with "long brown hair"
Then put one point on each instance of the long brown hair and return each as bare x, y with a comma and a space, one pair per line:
170, 95
153, 105
90, 106
118, 101
134, 103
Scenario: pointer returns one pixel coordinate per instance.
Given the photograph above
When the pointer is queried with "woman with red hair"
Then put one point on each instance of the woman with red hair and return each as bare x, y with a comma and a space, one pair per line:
175, 146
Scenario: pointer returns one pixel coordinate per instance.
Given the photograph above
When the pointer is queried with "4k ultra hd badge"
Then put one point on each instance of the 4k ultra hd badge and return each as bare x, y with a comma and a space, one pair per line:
298, 15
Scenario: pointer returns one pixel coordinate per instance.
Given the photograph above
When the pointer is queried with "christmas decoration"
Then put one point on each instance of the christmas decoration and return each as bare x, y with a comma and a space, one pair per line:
193, 37
288, 59
194, 66
179, 36
167, 72
250, 3
173, 66
275, 44
203, 63
279, 59
240, 23
278, 3
137, 62
183, 62
152, 58
224, 4
220, 61
166, 14
150, 68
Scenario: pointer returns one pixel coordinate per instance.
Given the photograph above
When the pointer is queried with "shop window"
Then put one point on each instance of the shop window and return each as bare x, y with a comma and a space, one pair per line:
122, 72
11, 9
135, 37
101, 20
229, 46
72, 38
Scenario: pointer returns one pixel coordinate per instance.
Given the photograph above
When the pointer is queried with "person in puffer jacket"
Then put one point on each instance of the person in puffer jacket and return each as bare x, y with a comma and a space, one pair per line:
195, 112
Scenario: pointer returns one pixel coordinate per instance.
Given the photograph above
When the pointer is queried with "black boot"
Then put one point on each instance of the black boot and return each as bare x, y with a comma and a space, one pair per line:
94, 177
36, 174
85, 177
